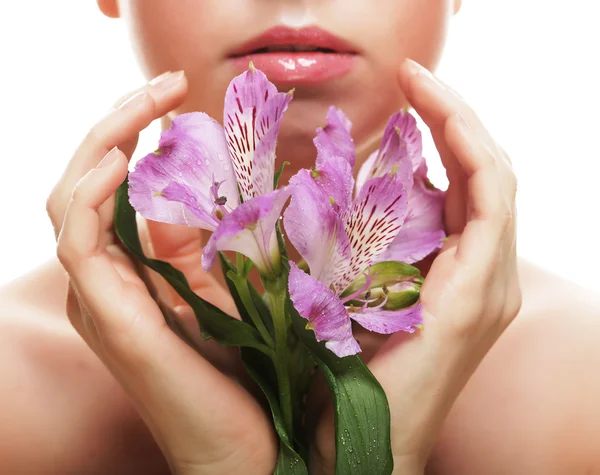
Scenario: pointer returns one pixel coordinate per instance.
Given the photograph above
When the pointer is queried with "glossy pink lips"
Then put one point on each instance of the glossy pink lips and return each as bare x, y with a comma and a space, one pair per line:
306, 56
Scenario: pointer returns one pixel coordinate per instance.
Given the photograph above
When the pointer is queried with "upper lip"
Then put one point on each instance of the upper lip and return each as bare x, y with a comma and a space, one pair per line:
285, 38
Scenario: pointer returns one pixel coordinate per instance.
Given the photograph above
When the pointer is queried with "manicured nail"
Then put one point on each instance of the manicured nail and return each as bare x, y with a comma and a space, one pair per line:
462, 122
134, 101
110, 158
167, 80
416, 69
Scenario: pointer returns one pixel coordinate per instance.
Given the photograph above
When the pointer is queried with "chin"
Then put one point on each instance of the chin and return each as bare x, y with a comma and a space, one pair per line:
298, 129
296, 147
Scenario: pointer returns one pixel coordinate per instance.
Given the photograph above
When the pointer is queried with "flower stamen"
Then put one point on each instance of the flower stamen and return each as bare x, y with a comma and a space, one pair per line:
220, 210
365, 288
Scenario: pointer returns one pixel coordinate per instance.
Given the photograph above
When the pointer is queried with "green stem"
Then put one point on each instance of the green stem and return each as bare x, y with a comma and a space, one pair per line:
276, 289
241, 284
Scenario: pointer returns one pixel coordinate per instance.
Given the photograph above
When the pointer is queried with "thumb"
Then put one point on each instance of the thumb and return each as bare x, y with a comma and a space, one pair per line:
181, 246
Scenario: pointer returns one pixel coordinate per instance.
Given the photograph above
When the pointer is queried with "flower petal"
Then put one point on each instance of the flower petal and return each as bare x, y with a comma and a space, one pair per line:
192, 152
365, 172
250, 230
315, 229
324, 311
182, 194
401, 146
389, 321
334, 177
423, 230
372, 224
334, 140
252, 117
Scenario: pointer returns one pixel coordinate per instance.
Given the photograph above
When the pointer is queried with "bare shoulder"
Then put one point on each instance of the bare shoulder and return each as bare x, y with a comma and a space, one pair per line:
60, 410
532, 406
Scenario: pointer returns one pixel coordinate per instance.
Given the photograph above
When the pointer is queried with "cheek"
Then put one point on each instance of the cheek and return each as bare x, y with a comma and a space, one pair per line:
186, 34
394, 30
418, 31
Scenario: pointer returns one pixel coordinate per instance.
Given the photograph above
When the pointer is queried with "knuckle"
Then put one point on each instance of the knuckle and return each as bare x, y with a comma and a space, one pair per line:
51, 204
118, 104
64, 252
514, 302
79, 190
121, 100
95, 135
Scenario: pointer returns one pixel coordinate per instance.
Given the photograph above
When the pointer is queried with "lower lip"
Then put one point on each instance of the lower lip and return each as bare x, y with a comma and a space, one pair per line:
299, 68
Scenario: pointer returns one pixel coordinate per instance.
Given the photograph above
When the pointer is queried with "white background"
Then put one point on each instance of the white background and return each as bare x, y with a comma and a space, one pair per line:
529, 67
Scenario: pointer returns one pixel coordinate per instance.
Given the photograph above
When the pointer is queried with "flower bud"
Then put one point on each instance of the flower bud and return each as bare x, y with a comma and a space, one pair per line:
391, 285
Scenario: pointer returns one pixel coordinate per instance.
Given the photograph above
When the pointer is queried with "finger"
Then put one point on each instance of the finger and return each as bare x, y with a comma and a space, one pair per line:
181, 246
461, 139
150, 361
435, 101
120, 127
491, 214
79, 246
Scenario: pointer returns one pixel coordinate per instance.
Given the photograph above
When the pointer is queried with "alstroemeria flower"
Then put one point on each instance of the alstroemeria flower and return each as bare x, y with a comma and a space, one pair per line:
423, 229
200, 170
340, 237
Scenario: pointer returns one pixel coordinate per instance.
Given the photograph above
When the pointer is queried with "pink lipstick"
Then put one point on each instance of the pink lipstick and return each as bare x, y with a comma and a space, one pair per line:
289, 56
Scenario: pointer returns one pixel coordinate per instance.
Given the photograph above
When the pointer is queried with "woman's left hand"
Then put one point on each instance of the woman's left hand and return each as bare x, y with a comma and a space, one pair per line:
204, 421
471, 293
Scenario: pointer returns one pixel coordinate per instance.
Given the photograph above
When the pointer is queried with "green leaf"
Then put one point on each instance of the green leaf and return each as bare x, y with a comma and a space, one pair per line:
289, 461
362, 414
214, 322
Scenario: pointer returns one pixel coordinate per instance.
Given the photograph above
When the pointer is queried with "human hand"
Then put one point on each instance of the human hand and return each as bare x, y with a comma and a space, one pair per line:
471, 292
203, 421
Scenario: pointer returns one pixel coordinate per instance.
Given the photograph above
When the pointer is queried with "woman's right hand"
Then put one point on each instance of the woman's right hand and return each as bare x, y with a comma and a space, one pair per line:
203, 421
471, 293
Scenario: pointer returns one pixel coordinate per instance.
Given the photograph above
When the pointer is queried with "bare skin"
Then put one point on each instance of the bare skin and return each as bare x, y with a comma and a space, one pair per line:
510, 418
531, 406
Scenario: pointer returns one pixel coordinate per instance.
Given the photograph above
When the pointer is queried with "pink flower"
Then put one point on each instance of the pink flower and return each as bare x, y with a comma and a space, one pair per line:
394, 216
221, 178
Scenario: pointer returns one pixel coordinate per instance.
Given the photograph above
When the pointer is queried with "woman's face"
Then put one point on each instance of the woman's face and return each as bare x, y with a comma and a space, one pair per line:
200, 37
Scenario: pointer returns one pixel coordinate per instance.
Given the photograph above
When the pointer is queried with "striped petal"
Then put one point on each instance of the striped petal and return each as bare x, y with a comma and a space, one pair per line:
252, 117
423, 230
401, 147
373, 222
325, 312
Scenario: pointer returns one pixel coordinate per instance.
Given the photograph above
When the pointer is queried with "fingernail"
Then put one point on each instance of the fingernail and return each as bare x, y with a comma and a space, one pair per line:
462, 122
416, 69
134, 101
110, 158
167, 80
